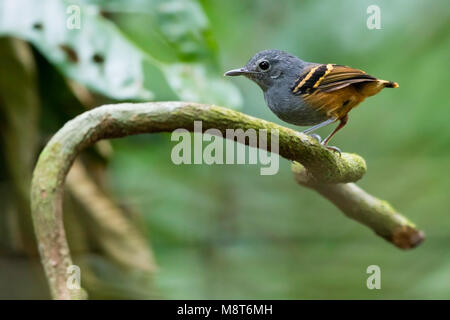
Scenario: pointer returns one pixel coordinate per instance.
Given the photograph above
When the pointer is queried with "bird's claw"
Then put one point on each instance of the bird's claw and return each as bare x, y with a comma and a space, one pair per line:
316, 137
333, 148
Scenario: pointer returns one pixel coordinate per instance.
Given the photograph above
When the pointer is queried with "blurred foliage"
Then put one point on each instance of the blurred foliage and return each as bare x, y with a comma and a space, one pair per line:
225, 231
19, 112
101, 57
76, 52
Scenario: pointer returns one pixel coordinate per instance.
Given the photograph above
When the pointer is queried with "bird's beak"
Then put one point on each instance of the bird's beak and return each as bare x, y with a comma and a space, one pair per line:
236, 72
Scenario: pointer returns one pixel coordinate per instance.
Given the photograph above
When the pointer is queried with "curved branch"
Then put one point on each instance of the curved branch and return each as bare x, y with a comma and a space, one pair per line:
357, 204
113, 121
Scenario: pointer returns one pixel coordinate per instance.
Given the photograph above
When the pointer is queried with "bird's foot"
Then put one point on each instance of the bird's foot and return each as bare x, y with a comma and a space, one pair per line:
316, 137
333, 148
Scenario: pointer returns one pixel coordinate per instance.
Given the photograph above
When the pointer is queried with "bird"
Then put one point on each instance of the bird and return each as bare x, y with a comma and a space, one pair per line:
307, 93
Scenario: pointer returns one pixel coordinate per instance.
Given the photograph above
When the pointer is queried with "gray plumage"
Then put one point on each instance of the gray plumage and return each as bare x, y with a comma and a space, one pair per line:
277, 82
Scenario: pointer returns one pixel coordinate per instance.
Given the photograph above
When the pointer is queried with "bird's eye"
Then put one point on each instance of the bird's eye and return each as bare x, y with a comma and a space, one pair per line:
264, 65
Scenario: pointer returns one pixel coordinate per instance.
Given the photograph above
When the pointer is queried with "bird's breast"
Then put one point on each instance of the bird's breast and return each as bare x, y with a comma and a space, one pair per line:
293, 109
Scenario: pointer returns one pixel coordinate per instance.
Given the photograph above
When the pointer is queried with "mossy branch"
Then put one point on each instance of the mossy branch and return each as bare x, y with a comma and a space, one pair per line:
322, 167
357, 204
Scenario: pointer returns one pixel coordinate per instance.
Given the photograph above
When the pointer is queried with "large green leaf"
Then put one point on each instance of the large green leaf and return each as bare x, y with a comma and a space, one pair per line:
101, 57
95, 55
177, 36
170, 30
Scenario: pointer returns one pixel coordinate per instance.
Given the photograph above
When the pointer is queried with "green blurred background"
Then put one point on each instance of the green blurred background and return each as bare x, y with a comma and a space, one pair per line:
224, 231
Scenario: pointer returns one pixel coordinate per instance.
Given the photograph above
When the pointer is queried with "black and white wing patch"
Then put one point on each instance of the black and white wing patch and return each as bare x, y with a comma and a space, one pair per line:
329, 77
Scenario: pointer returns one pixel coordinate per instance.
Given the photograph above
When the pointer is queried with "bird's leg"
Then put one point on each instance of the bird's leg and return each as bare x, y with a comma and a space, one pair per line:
342, 123
320, 125
317, 126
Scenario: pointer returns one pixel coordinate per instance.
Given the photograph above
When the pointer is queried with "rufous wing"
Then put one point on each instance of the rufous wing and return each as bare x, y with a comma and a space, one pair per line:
327, 88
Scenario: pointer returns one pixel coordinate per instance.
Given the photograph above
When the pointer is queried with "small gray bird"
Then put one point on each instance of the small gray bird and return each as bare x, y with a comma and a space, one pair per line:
306, 93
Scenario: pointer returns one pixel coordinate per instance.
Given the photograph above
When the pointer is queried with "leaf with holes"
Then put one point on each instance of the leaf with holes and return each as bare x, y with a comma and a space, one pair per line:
90, 49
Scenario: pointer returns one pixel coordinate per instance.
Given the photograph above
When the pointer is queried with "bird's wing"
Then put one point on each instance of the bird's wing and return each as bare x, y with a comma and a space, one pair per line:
329, 77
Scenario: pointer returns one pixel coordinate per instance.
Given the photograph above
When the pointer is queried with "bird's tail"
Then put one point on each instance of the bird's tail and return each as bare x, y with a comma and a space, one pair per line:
389, 84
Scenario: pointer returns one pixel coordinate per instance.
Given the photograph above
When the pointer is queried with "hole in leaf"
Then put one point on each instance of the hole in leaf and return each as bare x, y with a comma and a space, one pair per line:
106, 14
38, 26
98, 58
70, 52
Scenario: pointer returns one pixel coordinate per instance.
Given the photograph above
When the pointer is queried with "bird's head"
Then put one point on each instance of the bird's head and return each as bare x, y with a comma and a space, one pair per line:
269, 66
